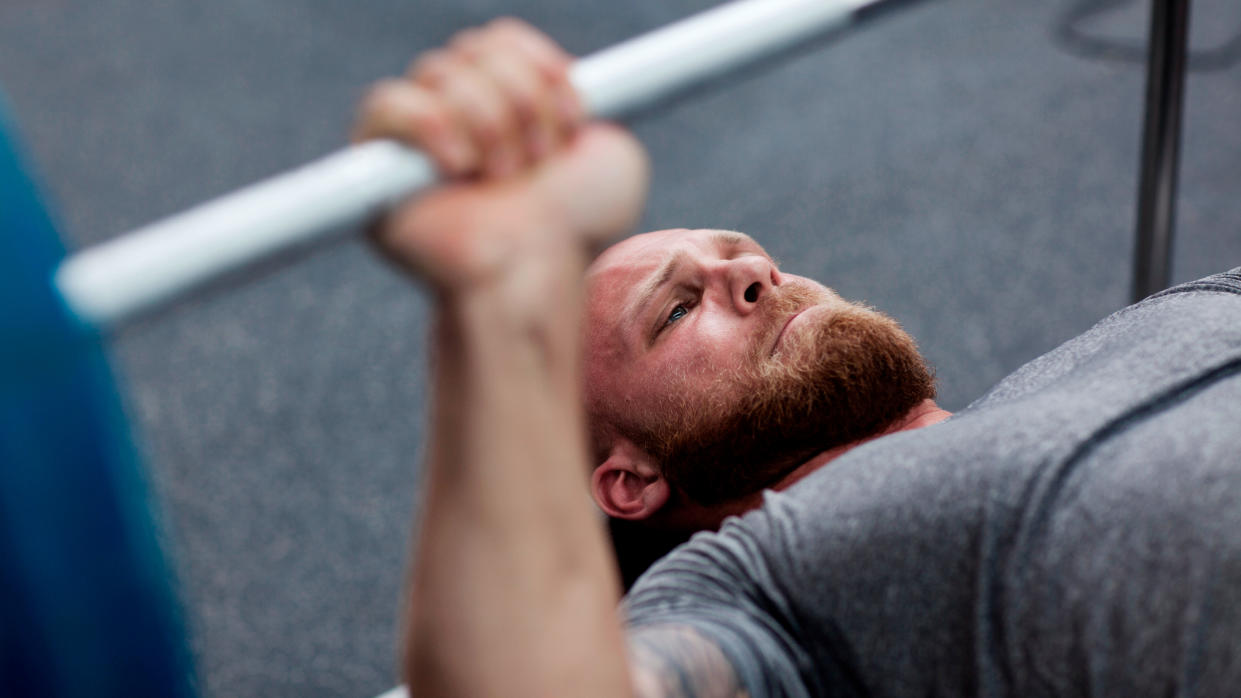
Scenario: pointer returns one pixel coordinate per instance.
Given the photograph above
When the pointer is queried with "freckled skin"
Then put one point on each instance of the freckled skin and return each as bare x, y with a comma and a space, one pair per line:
624, 377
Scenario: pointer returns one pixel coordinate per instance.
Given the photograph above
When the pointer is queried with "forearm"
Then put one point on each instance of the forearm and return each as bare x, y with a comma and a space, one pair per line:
513, 591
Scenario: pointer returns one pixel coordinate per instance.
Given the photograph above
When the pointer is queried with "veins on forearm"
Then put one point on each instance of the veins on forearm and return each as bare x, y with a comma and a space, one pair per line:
678, 662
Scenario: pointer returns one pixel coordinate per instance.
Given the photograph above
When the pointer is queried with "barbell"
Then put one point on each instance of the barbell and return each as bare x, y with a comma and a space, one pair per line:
154, 265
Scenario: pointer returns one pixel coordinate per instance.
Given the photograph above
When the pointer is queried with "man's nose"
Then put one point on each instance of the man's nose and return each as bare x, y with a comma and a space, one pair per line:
749, 279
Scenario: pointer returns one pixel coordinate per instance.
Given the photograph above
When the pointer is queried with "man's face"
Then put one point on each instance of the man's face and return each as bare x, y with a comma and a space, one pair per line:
729, 372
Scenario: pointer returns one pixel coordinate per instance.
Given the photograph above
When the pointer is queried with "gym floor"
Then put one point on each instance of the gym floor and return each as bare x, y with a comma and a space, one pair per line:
954, 163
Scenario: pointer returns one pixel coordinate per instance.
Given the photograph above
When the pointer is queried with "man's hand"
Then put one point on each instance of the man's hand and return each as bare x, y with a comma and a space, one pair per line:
513, 590
497, 114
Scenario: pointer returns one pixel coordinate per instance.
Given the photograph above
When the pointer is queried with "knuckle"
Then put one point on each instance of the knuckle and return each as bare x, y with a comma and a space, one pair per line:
489, 126
429, 66
535, 44
429, 118
526, 99
516, 86
510, 25
547, 49
524, 103
467, 43
382, 98
550, 68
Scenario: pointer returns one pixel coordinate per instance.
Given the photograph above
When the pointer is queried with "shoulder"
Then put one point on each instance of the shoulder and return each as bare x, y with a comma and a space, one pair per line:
1185, 326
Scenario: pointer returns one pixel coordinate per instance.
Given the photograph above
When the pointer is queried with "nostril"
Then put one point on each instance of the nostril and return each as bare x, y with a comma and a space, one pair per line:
751, 292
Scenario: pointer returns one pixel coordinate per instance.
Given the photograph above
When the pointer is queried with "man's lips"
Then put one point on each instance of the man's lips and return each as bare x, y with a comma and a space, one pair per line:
775, 346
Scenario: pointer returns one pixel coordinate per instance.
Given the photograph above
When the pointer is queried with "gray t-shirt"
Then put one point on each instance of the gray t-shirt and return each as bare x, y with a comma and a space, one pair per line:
1075, 531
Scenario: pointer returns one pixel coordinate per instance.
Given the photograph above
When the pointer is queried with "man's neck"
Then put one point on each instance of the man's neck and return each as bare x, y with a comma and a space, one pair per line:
638, 544
690, 517
924, 414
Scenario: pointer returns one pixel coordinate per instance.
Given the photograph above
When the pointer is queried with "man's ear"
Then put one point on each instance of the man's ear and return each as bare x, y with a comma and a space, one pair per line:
628, 485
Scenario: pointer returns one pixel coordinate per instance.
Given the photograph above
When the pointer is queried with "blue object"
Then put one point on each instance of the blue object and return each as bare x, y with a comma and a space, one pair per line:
86, 601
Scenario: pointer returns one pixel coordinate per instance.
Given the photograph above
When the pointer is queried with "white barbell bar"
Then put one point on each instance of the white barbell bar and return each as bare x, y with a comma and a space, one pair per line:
149, 267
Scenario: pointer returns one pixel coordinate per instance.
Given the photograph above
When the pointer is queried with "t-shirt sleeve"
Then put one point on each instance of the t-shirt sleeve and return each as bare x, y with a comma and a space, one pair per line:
721, 586
702, 585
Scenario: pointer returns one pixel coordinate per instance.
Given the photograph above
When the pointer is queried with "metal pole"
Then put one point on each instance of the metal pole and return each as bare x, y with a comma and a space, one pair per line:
155, 265
1161, 141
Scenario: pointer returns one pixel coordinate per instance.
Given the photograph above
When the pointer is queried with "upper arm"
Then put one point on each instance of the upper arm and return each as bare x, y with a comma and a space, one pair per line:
676, 661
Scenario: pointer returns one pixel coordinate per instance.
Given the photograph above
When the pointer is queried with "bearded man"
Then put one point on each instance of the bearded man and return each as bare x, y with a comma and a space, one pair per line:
721, 377
1074, 531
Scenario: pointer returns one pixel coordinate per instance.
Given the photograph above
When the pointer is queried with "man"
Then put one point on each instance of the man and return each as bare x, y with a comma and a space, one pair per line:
1073, 531
722, 376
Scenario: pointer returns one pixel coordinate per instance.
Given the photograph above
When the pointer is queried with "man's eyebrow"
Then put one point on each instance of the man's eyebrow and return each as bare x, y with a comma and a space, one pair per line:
648, 288
653, 283
731, 238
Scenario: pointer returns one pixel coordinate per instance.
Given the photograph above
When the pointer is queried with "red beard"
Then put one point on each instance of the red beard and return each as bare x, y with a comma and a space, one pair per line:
849, 376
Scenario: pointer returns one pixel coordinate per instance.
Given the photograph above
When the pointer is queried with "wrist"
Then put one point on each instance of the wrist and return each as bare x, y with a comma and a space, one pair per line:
524, 317
540, 275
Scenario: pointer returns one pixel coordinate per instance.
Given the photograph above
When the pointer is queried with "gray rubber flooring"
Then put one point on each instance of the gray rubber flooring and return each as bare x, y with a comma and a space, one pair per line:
951, 163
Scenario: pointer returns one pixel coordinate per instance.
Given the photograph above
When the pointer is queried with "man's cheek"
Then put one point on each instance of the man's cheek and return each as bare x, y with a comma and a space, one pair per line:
716, 346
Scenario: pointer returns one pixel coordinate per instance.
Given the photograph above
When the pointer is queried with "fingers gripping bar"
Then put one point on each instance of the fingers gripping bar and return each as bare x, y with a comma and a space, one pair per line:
152, 266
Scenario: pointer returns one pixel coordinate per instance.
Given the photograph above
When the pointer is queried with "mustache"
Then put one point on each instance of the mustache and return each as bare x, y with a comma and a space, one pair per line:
776, 308
847, 375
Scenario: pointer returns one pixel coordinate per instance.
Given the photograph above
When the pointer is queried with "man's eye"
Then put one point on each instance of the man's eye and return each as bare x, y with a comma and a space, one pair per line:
677, 313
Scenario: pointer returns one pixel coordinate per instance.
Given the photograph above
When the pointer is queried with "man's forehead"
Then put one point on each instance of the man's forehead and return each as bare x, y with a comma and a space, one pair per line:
633, 256
642, 250
621, 276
